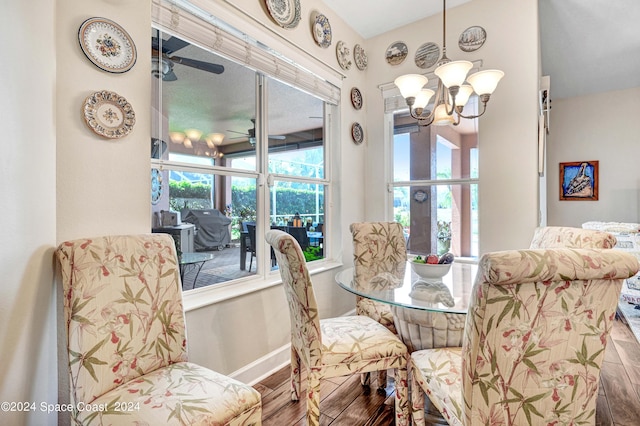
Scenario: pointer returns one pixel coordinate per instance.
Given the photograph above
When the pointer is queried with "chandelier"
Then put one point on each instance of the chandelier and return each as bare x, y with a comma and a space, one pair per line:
451, 94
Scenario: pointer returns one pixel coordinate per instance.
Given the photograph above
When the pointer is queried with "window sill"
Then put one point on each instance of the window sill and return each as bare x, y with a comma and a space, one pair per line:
206, 296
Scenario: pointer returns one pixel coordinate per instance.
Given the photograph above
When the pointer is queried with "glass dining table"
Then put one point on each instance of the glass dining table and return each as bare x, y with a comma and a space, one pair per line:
428, 313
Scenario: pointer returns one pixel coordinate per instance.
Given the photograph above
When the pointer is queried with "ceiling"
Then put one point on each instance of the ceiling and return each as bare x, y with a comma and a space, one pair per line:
587, 46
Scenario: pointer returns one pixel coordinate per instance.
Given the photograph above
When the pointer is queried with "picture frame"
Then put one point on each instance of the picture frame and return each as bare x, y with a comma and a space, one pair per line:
579, 181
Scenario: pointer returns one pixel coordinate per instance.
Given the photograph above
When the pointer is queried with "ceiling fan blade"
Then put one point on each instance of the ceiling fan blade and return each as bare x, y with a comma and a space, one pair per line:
240, 133
168, 46
201, 65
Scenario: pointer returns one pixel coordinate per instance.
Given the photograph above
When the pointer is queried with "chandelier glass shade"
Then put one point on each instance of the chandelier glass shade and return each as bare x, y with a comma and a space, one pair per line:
451, 94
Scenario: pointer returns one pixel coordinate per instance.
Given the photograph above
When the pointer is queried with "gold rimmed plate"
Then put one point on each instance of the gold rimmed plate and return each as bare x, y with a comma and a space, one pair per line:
108, 114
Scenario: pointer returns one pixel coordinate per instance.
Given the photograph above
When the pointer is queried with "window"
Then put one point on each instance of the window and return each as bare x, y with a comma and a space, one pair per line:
237, 151
435, 187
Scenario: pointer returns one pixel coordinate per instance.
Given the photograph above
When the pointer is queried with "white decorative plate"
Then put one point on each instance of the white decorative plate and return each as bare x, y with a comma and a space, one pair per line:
108, 114
357, 134
427, 55
396, 53
343, 53
285, 13
356, 98
156, 186
321, 30
107, 45
472, 39
360, 57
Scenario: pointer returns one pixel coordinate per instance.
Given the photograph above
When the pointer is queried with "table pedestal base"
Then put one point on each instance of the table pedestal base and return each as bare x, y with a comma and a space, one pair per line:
420, 329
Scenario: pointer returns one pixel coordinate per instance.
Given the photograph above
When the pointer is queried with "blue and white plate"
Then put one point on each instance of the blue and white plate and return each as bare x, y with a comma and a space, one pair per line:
321, 30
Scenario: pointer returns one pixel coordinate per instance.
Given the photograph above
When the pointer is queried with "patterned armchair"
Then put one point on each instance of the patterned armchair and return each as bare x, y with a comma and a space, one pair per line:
126, 340
563, 236
334, 346
534, 340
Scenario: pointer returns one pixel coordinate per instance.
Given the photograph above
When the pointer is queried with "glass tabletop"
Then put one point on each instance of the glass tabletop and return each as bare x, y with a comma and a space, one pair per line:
189, 258
450, 294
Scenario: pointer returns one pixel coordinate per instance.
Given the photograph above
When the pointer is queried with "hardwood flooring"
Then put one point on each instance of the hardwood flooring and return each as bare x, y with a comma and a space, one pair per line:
344, 403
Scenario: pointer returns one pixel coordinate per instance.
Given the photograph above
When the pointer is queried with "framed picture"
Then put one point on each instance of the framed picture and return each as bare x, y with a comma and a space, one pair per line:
579, 181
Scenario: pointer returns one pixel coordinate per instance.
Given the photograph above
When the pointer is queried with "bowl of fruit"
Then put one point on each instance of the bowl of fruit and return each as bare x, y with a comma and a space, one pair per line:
431, 266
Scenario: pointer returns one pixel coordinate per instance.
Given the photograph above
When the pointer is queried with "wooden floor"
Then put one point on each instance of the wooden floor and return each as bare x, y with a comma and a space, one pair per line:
344, 403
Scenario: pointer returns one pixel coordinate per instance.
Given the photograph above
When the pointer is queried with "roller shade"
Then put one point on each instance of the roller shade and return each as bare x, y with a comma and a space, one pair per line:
201, 28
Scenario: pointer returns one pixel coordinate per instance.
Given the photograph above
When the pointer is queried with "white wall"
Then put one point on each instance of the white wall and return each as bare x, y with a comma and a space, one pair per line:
103, 185
27, 201
507, 132
602, 127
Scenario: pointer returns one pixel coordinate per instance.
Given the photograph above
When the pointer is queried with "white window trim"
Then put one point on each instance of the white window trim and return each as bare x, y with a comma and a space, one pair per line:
201, 297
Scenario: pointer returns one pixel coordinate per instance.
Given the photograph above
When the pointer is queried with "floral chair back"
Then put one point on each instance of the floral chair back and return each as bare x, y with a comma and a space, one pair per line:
306, 336
563, 236
378, 248
534, 340
123, 310
380, 251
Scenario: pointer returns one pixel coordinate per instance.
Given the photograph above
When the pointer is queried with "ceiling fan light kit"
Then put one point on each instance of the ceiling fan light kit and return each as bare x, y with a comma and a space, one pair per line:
452, 94
214, 139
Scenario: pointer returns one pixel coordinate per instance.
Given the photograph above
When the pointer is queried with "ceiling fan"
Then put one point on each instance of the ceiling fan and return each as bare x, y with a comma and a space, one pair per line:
163, 64
251, 134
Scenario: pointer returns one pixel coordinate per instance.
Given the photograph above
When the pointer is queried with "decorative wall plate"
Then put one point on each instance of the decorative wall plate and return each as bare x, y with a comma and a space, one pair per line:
360, 57
356, 98
108, 114
343, 53
156, 186
427, 55
285, 13
420, 196
107, 45
357, 134
396, 53
321, 29
472, 39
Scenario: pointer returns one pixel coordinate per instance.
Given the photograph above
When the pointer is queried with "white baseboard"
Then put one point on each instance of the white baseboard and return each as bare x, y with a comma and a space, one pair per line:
264, 366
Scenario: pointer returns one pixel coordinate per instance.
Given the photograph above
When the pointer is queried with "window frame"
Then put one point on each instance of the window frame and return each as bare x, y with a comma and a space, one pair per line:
390, 99
264, 276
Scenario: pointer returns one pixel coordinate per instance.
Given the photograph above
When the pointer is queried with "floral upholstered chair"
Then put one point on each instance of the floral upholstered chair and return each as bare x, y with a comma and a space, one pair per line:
379, 249
334, 346
126, 340
564, 236
534, 340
